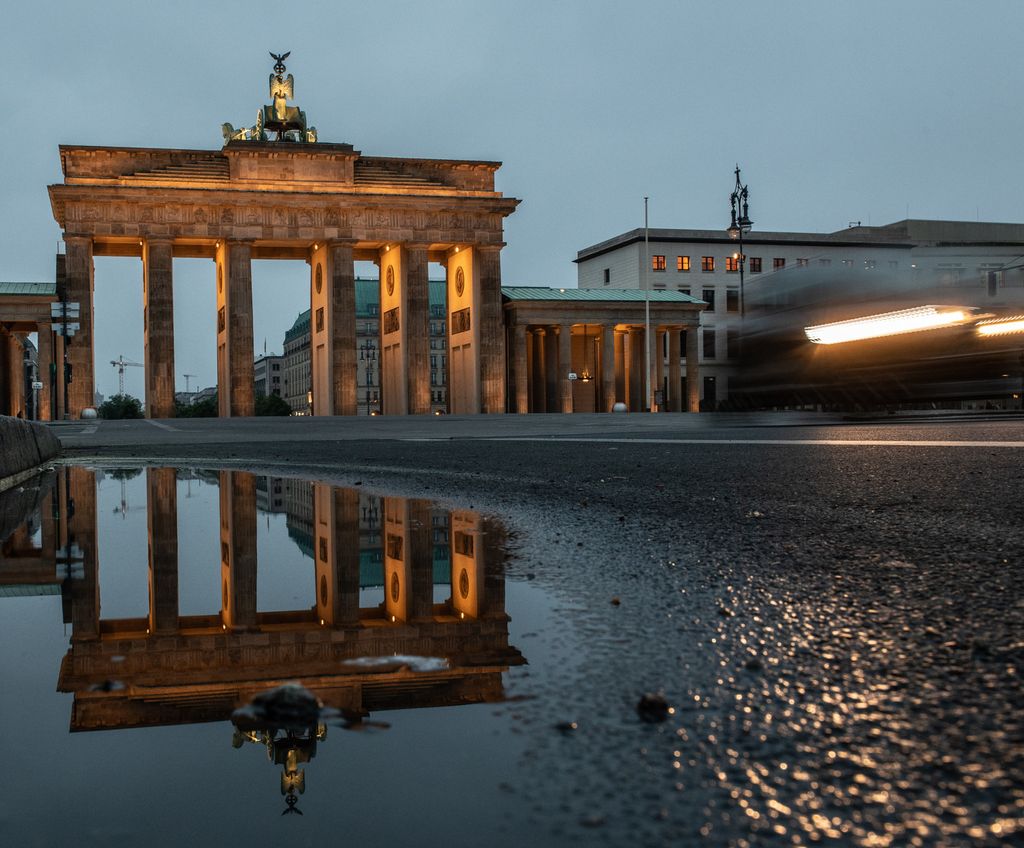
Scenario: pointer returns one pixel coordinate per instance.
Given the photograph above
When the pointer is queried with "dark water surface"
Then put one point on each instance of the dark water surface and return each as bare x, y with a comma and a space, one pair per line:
140, 608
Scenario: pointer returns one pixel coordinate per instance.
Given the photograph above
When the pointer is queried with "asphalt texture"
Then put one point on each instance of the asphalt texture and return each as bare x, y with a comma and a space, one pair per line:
833, 612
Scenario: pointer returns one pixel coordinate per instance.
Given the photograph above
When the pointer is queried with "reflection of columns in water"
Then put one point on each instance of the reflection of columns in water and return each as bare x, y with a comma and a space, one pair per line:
238, 549
162, 517
78, 501
408, 559
336, 553
468, 585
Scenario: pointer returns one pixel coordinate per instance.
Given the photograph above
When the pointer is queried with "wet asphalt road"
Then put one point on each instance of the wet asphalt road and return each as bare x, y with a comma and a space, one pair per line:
837, 626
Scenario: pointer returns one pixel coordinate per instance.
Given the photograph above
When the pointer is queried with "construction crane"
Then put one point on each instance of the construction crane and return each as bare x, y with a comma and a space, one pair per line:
187, 378
120, 364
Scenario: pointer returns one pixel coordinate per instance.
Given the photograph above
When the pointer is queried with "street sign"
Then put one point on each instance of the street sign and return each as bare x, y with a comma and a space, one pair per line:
37, 385
59, 310
65, 329
572, 376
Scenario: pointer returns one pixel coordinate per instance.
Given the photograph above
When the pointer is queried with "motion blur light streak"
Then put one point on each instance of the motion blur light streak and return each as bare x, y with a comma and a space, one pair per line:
1001, 326
888, 324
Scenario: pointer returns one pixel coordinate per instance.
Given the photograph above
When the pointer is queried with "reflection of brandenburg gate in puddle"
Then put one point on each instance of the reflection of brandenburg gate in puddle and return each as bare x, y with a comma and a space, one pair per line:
167, 668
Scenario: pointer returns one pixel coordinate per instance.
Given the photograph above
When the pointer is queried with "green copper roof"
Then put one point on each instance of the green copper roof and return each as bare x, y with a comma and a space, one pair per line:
33, 289
595, 295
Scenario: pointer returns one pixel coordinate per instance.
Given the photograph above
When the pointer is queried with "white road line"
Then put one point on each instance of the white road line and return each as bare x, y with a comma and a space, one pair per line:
161, 426
898, 443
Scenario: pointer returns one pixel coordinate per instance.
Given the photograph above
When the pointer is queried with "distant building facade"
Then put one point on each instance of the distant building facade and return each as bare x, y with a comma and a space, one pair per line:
268, 375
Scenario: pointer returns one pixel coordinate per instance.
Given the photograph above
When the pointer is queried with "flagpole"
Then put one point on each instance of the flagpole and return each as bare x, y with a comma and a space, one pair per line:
647, 314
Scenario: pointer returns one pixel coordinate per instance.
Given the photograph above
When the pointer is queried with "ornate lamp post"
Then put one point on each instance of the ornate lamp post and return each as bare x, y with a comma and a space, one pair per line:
739, 225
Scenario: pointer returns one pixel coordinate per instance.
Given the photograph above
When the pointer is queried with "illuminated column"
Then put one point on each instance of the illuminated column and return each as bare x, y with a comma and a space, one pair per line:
492, 333
540, 378
79, 547
78, 266
463, 332
336, 552
235, 379
522, 369
58, 381
468, 580
162, 517
158, 323
45, 361
333, 329
692, 370
238, 550
408, 559
607, 367
658, 366
394, 319
620, 367
636, 369
675, 388
565, 365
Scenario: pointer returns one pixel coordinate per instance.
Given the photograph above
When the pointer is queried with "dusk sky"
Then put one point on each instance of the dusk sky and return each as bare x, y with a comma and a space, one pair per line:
837, 112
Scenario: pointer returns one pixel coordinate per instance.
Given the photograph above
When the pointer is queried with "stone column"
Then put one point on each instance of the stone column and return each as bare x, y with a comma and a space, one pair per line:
675, 388
607, 367
659, 366
636, 369
621, 393
552, 390
467, 557
341, 272
565, 365
692, 370
492, 335
235, 379
408, 559
158, 325
78, 266
58, 381
522, 369
238, 550
162, 517
417, 329
44, 333
13, 373
540, 376
464, 369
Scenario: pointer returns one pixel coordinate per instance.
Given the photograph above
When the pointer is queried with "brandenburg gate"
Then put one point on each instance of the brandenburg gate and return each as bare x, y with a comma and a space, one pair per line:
275, 192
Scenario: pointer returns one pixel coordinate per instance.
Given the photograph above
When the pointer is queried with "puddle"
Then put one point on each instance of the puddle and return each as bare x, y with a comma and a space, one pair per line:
186, 650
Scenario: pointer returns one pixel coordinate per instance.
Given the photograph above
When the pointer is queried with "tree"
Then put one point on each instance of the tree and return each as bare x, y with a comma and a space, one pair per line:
272, 405
121, 406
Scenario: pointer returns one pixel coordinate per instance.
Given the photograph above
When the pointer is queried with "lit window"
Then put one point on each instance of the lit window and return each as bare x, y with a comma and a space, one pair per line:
707, 263
755, 264
682, 263
732, 300
657, 263
708, 296
732, 264
778, 263
802, 263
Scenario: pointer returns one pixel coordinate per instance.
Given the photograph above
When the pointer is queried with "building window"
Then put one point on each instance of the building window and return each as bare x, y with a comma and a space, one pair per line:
607, 275
894, 264
732, 300
707, 263
870, 264
708, 296
682, 263
732, 344
755, 264
847, 263
802, 263
732, 264
778, 263
684, 290
657, 262
709, 344
825, 262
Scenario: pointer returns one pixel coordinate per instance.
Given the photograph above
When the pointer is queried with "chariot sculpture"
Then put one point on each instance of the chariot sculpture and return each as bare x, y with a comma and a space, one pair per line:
278, 121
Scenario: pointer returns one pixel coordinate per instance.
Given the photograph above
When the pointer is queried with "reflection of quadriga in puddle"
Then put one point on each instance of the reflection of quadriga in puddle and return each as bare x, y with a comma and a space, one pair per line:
405, 652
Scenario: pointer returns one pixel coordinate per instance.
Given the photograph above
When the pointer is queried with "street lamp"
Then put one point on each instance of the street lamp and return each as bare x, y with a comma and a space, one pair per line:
739, 225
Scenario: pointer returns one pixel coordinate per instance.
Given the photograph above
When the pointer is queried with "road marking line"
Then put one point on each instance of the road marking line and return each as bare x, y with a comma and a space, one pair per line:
161, 426
899, 443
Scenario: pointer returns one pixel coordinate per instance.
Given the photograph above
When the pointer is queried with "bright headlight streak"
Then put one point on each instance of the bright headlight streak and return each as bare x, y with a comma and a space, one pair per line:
886, 324
1001, 326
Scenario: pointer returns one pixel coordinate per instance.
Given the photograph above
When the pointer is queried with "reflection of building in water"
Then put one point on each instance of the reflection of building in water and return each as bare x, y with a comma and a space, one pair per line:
270, 494
166, 668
